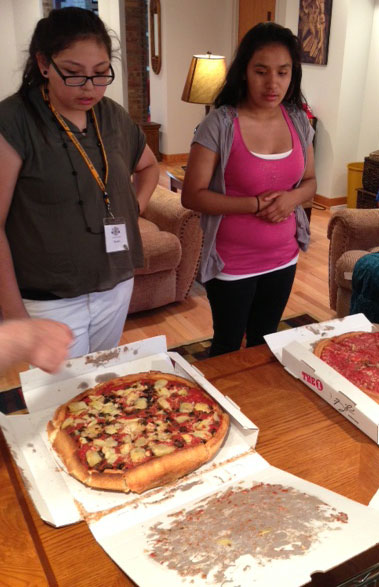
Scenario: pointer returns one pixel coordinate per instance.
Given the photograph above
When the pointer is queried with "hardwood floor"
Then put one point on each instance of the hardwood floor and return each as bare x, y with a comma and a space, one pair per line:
191, 320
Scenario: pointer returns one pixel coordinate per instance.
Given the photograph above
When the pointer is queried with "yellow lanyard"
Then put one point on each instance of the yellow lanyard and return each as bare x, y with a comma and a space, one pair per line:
87, 160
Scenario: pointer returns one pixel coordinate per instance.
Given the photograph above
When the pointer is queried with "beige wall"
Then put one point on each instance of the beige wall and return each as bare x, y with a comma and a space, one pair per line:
17, 21
188, 28
342, 92
113, 14
369, 130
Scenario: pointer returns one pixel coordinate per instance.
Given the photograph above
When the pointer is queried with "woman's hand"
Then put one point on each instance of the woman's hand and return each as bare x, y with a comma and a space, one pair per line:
275, 206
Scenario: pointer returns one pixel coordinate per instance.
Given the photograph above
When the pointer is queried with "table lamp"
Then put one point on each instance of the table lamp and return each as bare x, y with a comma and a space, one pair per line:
204, 80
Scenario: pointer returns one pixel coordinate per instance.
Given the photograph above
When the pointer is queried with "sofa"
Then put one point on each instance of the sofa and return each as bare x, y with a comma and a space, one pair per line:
172, 241
353, 233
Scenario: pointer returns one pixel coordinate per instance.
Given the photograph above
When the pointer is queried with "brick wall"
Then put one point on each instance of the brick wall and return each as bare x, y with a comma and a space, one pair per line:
137, 56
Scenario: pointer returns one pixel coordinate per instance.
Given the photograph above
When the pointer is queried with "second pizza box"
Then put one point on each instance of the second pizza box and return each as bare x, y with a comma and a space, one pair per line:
294, 349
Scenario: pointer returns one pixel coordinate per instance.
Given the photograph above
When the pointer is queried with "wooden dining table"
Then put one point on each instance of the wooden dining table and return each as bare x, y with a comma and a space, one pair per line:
298, 432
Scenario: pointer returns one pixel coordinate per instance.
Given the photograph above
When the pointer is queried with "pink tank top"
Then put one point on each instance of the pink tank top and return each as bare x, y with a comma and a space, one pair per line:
244, 242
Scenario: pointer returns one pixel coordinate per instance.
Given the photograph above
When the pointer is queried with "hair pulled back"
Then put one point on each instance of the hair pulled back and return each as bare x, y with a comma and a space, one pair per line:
56, 32
234, 90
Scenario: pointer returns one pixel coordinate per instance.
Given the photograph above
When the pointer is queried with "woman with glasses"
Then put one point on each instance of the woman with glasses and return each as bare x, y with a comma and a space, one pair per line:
75, 172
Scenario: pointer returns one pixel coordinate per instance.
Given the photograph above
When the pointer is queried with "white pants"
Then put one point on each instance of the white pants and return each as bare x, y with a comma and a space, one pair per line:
96, 319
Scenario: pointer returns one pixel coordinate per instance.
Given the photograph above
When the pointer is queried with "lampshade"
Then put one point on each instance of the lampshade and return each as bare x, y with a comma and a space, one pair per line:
205, 78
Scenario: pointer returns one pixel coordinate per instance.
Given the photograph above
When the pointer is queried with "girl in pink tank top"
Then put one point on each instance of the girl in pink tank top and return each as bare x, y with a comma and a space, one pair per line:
251, 164
246, 243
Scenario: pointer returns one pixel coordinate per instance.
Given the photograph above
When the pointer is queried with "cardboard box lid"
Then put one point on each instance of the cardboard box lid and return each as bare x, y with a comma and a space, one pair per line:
315, 546
41, 467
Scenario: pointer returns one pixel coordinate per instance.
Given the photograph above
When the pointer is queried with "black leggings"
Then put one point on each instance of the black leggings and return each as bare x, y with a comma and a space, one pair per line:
253, 306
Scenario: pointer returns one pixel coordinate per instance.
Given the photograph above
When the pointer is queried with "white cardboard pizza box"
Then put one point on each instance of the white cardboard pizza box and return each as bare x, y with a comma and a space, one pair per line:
124, 531
60, 499
294, 349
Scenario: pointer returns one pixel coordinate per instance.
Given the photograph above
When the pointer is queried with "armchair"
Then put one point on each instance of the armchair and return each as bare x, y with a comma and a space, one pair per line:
353, 233
172, 241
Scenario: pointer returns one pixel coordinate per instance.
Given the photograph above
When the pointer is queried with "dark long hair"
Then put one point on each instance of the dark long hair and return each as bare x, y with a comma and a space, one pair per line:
55, 33
234, 90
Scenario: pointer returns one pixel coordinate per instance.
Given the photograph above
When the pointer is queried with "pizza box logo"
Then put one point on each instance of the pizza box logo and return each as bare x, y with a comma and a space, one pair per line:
310, 380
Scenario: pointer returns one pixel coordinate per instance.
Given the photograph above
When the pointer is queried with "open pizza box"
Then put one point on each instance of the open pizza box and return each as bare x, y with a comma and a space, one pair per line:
299, 528
294, 349
62, 500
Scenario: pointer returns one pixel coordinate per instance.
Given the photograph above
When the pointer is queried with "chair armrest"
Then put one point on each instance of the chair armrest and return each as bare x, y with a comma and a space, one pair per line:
166, 211
344, 268
350, 229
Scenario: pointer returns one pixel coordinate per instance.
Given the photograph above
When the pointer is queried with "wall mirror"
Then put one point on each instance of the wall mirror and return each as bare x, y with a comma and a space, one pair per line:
155, 35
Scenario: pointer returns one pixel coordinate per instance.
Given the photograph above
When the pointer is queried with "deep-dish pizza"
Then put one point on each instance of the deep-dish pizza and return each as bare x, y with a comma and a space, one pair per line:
356, 356
136, 432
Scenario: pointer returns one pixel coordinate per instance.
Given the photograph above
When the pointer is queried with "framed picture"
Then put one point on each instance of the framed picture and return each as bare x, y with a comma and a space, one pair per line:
314, 29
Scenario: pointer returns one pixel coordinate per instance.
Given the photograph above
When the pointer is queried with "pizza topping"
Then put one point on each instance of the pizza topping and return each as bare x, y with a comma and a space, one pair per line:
77, 406
92, 431
141, 403
181, 419
186, 407
93, 458
68, 422
164, 404
201, 407
125, 448
162, 449
137, 454
160, 384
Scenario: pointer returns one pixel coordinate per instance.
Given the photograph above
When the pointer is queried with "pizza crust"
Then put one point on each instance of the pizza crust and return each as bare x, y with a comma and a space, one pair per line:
153, 473
322, 344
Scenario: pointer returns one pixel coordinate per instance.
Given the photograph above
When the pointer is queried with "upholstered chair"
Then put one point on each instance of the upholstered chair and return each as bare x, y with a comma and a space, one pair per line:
172, 241
353, 232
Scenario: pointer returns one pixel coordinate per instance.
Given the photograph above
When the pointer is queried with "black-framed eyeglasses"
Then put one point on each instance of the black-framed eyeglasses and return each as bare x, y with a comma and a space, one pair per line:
81, 80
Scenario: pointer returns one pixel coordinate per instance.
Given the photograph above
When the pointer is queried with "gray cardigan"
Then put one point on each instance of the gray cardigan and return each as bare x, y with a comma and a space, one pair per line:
216, 133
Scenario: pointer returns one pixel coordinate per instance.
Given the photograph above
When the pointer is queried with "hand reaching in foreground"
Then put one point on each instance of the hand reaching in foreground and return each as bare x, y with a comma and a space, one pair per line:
43, 343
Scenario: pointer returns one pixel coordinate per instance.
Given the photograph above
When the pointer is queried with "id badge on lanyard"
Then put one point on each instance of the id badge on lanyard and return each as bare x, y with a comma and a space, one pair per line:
116, 238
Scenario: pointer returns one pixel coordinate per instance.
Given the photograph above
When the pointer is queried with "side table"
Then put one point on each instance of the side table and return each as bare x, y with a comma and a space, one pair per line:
151, 130
176, 175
